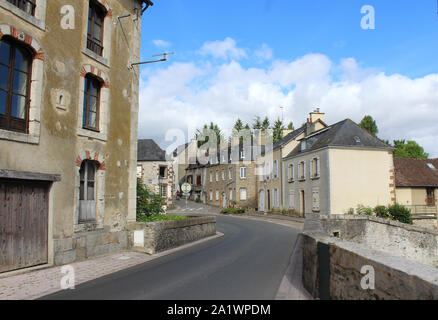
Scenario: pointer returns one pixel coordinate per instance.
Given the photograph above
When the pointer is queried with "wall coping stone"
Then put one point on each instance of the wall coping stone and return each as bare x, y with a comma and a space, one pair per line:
191, 221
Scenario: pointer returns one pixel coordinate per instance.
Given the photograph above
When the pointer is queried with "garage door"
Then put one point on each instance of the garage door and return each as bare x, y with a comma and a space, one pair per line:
23, 224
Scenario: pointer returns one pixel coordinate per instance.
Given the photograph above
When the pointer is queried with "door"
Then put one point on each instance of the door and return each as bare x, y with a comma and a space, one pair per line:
262, 200
87, 192
269, 200
24, 210
302, 203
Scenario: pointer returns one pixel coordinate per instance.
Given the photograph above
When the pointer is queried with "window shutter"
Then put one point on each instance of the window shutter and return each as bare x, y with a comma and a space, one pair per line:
318, 167
304, 169
293, 172
310, 169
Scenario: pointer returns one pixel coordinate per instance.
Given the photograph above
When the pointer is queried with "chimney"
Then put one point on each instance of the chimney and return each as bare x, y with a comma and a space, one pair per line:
316, 115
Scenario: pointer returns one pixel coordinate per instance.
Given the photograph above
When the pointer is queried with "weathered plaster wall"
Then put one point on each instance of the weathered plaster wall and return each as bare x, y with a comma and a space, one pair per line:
60, 144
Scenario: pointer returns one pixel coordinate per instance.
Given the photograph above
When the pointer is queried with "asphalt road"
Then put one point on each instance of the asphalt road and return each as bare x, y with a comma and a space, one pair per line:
247, 263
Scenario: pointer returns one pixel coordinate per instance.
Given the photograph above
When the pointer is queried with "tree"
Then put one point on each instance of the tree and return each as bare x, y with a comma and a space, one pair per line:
238, 126
148, 203
265, 124
277, 130
369, 124
257, 125
290, 126
409, 149
204, 132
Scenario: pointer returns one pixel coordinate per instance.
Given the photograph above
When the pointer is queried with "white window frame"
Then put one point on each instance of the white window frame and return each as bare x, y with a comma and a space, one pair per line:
217, 175
211, 195
217, 195
243, 173
230, 173
316, 206
223, 174
211, 176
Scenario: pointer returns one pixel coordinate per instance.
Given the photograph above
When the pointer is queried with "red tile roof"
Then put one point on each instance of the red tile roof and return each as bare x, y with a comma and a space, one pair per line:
416, 172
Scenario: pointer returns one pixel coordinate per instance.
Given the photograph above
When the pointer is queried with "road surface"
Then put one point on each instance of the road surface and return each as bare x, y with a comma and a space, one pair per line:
248, 263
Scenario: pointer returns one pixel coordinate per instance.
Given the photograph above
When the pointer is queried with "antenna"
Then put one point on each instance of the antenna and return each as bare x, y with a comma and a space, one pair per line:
164, 55
282, 113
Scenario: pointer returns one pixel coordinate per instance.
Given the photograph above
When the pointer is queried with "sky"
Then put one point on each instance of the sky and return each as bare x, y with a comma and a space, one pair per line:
248, 58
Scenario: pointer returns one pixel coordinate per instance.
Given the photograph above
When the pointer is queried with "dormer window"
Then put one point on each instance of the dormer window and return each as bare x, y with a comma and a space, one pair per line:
27, 6
431, 166
303, 145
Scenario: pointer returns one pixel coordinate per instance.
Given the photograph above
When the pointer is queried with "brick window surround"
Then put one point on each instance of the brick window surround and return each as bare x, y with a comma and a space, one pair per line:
32, 135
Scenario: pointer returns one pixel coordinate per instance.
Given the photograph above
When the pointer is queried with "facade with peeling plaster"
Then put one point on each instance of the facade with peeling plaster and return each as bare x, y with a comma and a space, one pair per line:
71, 139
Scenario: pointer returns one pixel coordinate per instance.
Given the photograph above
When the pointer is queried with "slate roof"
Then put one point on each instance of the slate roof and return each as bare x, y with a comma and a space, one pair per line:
148, 150
415, 172
345, 133
289, 137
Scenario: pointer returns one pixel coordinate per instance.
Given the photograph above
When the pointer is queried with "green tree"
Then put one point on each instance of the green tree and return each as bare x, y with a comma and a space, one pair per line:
290, 126
409, 149
257, 125
148, 203
265, 124
277, 130
238, 126
369, 124
204, 132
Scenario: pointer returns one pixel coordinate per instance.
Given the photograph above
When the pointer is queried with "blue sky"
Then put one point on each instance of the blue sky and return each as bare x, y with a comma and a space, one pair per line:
266, 35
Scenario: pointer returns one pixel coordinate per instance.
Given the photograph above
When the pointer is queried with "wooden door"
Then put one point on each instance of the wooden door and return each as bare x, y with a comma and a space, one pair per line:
24, 214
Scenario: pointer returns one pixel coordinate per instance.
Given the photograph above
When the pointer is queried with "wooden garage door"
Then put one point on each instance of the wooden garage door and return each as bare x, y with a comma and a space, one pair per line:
23, 224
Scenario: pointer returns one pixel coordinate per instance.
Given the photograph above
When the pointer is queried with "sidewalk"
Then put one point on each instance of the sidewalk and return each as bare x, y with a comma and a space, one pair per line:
35, 284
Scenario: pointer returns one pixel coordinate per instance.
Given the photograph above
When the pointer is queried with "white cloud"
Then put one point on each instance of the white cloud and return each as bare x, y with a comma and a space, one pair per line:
161, 43
264, 53
191, 94
225, 49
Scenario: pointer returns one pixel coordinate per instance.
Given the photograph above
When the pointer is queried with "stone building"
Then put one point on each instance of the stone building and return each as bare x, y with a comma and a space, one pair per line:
155, 171
232, 177
337, 168
68, 128
196, 175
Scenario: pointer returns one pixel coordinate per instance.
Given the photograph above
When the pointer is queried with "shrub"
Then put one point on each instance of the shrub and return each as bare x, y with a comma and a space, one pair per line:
160, 217
400, 213
148, 203
363, 210
350, 211
233, 211
233, 203
381, 212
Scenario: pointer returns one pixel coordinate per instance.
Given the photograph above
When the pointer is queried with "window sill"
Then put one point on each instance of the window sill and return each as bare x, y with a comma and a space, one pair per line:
316, 178
92, 134
23, 15
19, 137
96, 57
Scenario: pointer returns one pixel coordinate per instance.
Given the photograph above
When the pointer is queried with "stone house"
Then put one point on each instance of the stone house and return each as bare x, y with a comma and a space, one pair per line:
232, 177
182, 157
155, 171
337, 168
68, 128
196, 175
270, 181
416, 184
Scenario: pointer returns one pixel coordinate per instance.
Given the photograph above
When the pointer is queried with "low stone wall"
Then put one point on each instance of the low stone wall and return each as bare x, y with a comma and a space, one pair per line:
156, 237
332, 266
413, 242
84, 245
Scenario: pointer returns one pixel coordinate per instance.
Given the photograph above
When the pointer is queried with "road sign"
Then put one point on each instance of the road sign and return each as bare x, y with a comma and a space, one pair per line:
186, 188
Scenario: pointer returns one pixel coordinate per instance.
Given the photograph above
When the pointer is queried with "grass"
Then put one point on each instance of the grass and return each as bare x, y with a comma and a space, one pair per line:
160, 217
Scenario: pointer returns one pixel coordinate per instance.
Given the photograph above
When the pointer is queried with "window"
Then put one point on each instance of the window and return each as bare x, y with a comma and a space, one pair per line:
217, 175
430, 198
291, 173
231, 194
303, 145
217, 195
268, 171
27, 6
163, 191
15, 67
230, 173
90, 119
96, 17
87, 191
199, 180
223, 174
260, 173
275, 169
242, 154
139, 171
211, 176
315, 168
302, 170
243, 194
242, 172
163, 172
211, 195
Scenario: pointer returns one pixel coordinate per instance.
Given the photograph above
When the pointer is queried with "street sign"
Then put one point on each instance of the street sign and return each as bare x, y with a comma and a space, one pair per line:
186, 188
186, 194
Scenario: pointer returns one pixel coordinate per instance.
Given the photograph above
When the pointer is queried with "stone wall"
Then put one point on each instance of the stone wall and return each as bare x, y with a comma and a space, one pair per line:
156, 237
87, 244
332, 266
